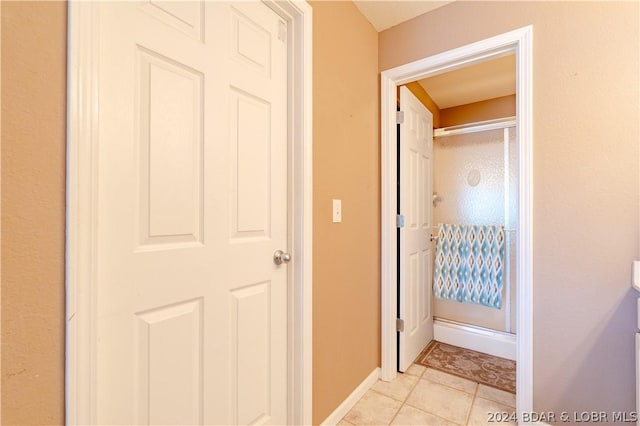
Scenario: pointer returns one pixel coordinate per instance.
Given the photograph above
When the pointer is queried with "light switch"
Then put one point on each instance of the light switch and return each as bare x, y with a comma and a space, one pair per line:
337, 211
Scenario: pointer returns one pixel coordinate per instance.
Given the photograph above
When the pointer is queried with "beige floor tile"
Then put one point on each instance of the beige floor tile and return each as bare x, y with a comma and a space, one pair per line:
343, 422
450, 380
415, 370
493, 394
412, 416
485, 412
373, 409
399, 388
443, 401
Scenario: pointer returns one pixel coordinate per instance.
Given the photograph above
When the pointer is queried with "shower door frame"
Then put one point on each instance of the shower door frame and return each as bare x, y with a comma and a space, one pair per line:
520, 42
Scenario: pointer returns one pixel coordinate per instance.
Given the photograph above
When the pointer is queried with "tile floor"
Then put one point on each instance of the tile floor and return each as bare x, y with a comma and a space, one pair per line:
424, 396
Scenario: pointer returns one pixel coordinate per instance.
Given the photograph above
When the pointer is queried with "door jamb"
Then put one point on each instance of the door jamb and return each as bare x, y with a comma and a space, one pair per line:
81, 205
520, 42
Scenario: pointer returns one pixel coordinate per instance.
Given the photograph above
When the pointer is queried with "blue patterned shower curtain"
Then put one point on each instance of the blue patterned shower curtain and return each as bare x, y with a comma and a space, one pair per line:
469, 264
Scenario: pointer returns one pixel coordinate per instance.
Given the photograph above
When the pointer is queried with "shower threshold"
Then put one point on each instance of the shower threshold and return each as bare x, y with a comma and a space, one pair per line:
492, 342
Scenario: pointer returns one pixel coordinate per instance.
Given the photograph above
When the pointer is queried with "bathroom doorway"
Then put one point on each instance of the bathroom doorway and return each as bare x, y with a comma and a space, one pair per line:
516, 43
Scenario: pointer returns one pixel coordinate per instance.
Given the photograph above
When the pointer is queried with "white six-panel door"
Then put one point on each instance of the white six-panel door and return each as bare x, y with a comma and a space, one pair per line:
416, 142
192, 195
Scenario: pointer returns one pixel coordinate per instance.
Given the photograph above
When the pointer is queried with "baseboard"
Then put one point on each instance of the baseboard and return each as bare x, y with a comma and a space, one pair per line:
474, 338
352, 399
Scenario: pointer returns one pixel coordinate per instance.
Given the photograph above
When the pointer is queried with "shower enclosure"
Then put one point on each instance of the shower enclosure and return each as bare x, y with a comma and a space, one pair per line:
475, 182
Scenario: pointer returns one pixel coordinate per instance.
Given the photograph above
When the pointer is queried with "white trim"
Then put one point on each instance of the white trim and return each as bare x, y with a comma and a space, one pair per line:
524, 255
520, 42
507, 225
475, 338
0, 200
82, 144
637, 359
481, 126
388, 240
346, 405
81, 253
301, 133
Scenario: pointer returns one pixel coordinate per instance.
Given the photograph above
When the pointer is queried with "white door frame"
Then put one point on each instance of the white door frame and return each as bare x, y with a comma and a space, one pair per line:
82, 172
520, 42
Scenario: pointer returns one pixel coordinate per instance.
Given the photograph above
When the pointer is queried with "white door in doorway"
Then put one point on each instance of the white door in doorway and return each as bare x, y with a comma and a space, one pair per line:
416, 142
192, 194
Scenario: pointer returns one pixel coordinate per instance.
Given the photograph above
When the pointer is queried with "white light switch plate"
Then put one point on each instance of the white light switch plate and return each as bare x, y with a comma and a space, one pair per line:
337, 211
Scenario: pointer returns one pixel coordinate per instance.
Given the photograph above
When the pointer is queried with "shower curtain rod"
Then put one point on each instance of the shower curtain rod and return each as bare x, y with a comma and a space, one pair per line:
479, 126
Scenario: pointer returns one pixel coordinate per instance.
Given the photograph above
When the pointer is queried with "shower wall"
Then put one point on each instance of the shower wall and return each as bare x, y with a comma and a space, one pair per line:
475, 177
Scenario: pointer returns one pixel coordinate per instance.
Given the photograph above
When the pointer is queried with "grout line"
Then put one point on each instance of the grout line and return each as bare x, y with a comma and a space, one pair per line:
432, 414
473, 401
390, 397
404, 402
451, 387
360, 399
441, 384
489, 398
420, 377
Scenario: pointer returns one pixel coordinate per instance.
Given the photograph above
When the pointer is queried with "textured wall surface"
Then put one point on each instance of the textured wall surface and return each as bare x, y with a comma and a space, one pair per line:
585, 183
586, 64
33, 211
346, 165
455, 158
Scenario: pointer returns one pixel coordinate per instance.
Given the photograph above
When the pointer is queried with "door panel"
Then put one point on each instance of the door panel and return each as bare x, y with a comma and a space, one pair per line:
170, 351
171, 138
415, 247
250, 381
250, 161
192, 311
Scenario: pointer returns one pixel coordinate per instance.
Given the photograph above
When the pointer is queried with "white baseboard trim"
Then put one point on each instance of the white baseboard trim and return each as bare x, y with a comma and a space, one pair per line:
475, 338
352, 399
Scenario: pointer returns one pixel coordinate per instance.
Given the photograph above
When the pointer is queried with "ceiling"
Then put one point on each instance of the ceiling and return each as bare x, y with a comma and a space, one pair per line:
486, 80
385, 14
478, 82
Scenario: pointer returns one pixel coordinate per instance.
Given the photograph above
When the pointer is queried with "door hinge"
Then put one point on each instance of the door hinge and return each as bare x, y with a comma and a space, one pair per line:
282, 31
399, 324
399, 221
399, 117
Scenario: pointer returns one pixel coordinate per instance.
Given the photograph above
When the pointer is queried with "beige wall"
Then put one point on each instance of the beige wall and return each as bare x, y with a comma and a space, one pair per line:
586, 196
346, 165
586, 108
504, 106
33, 200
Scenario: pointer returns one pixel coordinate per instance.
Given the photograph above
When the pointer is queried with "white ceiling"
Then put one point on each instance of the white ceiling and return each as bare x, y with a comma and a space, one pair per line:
479, 82
385, 14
